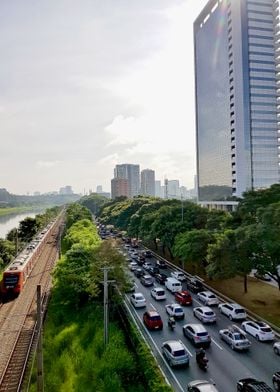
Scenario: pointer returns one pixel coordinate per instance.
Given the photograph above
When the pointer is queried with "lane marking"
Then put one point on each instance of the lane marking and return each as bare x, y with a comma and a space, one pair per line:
152, 306
217, 344
160, 353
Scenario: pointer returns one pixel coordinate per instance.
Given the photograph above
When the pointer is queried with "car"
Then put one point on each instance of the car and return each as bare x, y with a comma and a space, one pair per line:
276, 381
127, 246
233, 311
252, 385
175, 353
142, 256
197, 334
178, 275
201, 386
152, 320
138, 272
147, 280
148, 254
235, 338
276, 348
138, 300
160, 278
260, 330
153, 270
175, 310
161, 263
261, 276
204, 314
158, 293
133, 265
208, 298
183, 297
195, 285
147, 265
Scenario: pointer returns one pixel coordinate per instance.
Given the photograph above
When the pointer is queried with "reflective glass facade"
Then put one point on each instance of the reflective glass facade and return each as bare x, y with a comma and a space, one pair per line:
236, 97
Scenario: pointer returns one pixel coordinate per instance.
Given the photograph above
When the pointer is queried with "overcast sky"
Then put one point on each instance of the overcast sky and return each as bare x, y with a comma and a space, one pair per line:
87, 84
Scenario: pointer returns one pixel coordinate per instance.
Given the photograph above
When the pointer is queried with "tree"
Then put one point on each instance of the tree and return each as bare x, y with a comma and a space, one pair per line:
76, 212
7, 251
93, 202
191, 247
27, 229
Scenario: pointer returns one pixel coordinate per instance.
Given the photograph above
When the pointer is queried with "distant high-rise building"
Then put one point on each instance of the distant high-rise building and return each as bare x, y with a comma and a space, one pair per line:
158, 192
148, 182
131, 173
119, 187
173, 189
99, 189
236, 75
66, 190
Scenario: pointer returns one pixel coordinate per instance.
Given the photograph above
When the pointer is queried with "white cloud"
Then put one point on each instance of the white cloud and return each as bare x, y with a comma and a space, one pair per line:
47, 164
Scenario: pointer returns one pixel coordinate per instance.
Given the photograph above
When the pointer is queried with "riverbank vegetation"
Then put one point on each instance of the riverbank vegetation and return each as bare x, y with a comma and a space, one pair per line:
74, 325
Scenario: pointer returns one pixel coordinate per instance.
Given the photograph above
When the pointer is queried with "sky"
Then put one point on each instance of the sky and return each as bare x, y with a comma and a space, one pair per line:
86, 85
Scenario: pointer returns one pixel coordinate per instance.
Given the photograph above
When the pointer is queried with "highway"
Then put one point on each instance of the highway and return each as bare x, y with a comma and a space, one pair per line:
226, 366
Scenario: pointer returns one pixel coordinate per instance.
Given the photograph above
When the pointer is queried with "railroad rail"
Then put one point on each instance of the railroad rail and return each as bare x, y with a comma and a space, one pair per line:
18, 327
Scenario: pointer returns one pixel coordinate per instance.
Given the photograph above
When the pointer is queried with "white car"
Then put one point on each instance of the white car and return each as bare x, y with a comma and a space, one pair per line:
175, 310
258, 329
138, 300
147, 265
276, 348
178, 275
233, 311
205, 314
133, 265
158, 293
208, 298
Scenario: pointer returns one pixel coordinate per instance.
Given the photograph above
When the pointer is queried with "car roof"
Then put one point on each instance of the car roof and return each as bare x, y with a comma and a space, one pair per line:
158, 289
207, 385
152, 312
205, 308
197, 327
138, 294
183, 292
175, 344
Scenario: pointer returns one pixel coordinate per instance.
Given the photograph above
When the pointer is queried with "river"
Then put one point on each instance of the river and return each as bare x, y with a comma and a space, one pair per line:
8, 222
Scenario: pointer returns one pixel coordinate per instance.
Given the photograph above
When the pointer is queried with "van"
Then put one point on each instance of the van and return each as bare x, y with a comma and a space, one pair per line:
173, 285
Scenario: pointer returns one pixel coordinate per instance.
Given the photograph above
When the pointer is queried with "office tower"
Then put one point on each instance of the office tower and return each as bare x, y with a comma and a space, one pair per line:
132, 174
119, 187
148, 182
236, 73
173, 189
99, 189
158, 192
66, 190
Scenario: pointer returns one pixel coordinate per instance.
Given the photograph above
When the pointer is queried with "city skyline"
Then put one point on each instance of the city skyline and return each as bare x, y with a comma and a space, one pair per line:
73, 106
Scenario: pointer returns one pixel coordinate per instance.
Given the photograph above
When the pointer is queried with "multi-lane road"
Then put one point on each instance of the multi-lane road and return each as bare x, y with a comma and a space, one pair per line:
226, 366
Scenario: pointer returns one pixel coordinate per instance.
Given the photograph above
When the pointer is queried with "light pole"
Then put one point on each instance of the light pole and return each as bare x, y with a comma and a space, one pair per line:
105, 301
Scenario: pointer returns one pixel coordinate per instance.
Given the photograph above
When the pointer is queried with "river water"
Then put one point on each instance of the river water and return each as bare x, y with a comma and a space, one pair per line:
8, 222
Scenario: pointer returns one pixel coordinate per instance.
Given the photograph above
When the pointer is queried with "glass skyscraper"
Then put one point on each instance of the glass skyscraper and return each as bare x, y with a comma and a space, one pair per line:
236, 78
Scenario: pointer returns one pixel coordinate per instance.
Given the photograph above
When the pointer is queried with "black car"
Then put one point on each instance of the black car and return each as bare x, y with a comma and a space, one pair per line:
148, 254
195, 285
138, 272
153, 271
160, 278
252, 385
276, 381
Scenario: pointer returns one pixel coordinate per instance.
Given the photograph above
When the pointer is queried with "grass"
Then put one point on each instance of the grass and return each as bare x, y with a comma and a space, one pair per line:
261, 298
14, 210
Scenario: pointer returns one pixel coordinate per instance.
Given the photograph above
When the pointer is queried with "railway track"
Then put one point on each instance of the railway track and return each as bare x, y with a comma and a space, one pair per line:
18, 328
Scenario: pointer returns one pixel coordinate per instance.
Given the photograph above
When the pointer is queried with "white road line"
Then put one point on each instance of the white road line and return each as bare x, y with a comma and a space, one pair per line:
188, 350
199, 303
214, 341
152, 306
160, 353
135, 285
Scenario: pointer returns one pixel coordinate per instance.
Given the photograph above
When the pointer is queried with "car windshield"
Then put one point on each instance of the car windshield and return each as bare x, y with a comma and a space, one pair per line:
238, 311
178, 310
239, 336
202, 333
155, 318
209, 313
179, 353
160, 292
211, 296
266, 329
139, 297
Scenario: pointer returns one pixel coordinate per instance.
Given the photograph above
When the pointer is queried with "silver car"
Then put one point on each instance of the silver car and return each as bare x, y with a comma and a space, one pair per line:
201, 386
235, 337
175, 353
208, 298
197, 334
205, 314
276, 348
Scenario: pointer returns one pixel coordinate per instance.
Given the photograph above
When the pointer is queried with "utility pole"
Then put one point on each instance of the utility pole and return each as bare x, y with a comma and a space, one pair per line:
40, 374
16, 241
106, 304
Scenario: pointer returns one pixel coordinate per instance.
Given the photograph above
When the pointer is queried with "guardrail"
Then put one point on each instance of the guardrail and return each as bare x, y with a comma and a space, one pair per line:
251, 315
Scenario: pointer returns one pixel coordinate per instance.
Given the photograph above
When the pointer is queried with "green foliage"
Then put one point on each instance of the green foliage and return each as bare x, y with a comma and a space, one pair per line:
7, 252
27, 229
93, 202
82, 232
192, 246
76, 212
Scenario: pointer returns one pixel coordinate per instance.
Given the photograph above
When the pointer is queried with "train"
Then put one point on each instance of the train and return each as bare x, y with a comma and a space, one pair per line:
17, 272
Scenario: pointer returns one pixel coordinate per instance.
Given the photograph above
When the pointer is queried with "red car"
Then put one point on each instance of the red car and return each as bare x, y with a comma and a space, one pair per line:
183, 297
152, 320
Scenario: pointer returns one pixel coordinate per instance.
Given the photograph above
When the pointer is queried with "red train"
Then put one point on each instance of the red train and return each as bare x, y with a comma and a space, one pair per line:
16, 273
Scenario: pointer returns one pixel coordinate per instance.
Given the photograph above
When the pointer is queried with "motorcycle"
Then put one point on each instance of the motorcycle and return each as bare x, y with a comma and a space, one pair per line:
171, 323
202, 360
